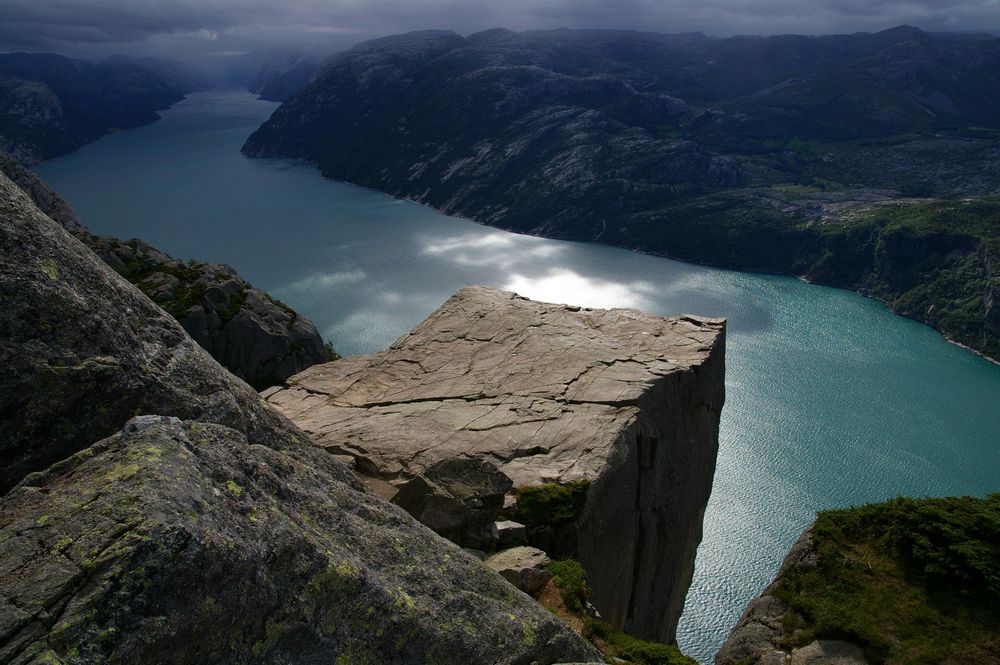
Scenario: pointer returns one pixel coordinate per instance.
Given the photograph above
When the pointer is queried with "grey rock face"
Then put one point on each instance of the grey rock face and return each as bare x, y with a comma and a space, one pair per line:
511, 534
208, 529
459, 499
626, 400
181, 541
256, 337
524, 567
757, 637
47, 200
828, 652
84, 350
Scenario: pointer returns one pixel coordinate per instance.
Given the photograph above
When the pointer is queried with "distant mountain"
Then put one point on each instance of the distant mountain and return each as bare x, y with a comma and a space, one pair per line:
179, 76
780, 154
50, 105
274, 73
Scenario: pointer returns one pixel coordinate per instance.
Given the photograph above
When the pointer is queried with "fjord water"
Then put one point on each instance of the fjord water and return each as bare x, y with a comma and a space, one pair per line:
831, 399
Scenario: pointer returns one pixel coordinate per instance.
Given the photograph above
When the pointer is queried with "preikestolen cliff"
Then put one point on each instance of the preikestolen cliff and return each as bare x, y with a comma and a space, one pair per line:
534, 345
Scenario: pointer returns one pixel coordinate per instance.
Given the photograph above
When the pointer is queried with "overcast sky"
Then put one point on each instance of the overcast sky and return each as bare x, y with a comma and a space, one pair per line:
159, 27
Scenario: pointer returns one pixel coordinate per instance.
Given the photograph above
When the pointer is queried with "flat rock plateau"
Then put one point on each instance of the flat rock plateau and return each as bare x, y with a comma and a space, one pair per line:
551, 394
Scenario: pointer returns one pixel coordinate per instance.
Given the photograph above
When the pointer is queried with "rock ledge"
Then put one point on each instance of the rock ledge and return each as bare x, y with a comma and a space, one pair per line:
549, 393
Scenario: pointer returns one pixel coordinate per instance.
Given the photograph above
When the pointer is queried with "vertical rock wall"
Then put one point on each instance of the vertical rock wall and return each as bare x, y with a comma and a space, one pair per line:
642, 524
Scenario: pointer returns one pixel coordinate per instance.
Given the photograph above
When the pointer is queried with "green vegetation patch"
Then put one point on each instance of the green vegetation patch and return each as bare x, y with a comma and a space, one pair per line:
551, 504
913, 581
571, 579
616, 644
613, 643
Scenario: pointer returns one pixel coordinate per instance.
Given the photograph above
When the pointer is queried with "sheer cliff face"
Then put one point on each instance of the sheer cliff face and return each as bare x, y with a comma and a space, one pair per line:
211, 529
549, 393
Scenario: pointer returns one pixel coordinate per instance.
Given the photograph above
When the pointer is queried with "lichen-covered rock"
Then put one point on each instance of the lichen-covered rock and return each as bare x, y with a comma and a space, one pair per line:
552, 394
524, 567
83, 350
256, 337
209, 529
47, 200
459, 499
185, 542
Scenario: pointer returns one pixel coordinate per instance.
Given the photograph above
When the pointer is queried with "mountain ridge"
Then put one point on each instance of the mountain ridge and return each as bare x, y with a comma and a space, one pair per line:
741, 153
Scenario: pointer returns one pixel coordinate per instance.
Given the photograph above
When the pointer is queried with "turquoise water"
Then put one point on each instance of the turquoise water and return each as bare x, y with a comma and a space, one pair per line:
832, 400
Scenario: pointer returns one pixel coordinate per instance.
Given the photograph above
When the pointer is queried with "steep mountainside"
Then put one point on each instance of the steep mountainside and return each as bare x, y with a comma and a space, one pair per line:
50, 105
257, 338
208, 529
177, 75
907, 582
771, 154
274, 73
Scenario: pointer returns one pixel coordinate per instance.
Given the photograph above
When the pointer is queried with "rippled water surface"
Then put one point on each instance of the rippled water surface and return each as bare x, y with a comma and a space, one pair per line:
831, 399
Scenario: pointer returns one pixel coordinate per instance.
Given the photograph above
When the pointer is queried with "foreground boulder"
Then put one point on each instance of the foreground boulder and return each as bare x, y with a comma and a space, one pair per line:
524, 567
209, 528
183, 542
83, 351
254, 336
625, 401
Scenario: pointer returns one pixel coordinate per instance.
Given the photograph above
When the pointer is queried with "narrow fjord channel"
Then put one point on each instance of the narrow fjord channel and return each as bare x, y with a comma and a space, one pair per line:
831, 399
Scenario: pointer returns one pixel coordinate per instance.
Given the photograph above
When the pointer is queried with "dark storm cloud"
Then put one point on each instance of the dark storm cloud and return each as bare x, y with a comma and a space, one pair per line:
223, 25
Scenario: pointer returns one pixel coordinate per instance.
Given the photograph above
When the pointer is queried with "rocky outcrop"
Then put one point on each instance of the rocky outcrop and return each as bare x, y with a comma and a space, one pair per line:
256, 337
903, 581
84, 352
219, 535
41, 194
524, 567
758, 638
459, 499
551, 394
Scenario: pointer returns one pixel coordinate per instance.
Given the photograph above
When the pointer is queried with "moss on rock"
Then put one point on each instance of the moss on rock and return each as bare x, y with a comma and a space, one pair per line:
551, 504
